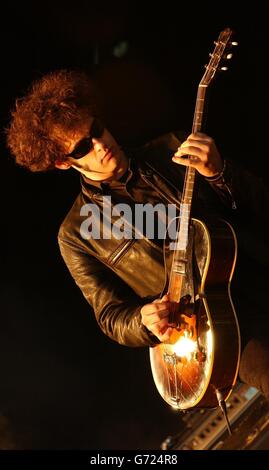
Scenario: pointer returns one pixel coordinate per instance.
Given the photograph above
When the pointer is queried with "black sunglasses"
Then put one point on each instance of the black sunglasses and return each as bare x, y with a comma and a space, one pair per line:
84, 146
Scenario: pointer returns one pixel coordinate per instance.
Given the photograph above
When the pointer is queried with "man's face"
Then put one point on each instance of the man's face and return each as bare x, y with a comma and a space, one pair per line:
103, 161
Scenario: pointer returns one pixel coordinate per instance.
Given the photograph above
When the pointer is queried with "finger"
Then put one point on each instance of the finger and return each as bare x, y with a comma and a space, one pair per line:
165, 298
162, 305
158, 318
160, 326
200, 136
155, 318
191, 150
190, 161
158, 329
165, 337
201, 144
160, 301
155, 307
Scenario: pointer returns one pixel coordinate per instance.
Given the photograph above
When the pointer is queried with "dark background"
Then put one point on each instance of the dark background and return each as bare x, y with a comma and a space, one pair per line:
64, 385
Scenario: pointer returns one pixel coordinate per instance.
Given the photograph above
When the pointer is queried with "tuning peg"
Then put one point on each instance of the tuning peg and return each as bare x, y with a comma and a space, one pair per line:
224, 69
229, 56
234, 43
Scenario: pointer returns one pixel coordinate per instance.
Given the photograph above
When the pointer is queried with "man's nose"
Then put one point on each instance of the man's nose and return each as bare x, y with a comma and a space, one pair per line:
99, 144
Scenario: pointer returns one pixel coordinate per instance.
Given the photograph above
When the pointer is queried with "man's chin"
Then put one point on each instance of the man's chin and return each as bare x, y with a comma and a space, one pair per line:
98, 177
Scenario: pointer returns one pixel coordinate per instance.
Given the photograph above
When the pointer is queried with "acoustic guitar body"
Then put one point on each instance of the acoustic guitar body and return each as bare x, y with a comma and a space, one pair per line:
202, 356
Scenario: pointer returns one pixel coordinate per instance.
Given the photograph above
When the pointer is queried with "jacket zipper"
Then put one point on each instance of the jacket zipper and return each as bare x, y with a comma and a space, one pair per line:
115, 257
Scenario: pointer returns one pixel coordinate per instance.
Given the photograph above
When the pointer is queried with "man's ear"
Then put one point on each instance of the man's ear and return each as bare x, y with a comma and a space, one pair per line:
63, 165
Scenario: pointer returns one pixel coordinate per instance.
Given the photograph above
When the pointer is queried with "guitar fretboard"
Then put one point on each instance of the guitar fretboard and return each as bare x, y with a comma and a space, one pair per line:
187, 194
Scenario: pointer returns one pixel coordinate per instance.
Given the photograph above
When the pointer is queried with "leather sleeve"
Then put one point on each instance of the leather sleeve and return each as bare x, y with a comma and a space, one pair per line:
249, 195
222, 184
250, 192
115, 304
246, 191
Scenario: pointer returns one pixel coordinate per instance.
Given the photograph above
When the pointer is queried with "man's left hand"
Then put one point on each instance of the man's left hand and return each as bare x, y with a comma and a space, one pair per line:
200, 152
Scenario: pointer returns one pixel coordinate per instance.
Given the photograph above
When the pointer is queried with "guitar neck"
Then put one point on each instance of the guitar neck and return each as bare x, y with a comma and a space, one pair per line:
199, 108
221, 46
196, 127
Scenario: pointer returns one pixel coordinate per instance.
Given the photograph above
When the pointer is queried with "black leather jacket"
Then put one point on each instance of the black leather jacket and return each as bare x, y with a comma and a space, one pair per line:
117, 277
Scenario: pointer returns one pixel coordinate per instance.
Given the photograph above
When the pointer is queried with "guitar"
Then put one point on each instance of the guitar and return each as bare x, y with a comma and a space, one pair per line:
198, 367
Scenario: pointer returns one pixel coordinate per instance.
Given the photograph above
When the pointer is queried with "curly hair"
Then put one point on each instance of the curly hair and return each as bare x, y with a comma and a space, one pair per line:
62, 99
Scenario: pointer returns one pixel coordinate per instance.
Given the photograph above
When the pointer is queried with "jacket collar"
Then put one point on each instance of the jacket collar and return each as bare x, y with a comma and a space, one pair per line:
100, 187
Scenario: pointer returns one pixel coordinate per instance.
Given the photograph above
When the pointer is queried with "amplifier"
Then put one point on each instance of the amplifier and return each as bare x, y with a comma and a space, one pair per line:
248, 414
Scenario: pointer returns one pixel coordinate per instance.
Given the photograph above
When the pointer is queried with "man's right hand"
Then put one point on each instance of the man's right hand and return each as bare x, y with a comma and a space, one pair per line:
155, 317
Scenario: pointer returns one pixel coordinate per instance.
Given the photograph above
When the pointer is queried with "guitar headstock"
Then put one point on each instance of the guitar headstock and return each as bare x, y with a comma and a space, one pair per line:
220, 56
